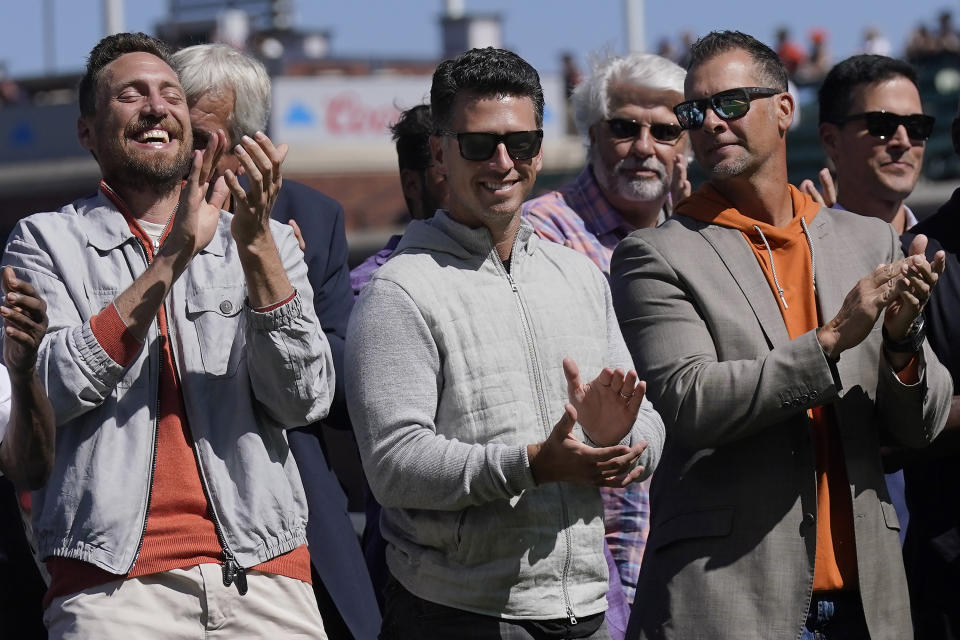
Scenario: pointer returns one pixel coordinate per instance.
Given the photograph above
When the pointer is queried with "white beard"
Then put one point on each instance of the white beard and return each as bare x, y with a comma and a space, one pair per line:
634, 189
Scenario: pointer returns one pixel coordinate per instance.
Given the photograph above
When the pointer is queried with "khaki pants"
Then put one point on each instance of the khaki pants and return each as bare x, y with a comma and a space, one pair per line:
187, 604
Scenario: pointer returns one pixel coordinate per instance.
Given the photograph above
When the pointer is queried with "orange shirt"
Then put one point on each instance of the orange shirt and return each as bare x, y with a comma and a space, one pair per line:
836, 559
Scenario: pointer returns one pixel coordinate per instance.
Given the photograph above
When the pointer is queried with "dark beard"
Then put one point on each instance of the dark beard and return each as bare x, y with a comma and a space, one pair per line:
156, 173
160, 176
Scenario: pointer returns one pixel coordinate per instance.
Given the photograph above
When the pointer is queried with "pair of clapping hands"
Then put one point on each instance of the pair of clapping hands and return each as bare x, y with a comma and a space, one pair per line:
206, 192
606, 408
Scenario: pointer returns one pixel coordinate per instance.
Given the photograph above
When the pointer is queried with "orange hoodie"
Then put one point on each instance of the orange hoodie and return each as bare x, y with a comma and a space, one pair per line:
786, 259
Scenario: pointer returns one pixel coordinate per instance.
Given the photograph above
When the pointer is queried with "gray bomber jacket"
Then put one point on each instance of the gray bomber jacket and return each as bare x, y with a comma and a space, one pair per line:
245, 377
452, 367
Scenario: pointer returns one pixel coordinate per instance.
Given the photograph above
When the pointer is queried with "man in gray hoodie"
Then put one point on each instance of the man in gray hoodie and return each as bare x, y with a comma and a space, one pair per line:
467, 359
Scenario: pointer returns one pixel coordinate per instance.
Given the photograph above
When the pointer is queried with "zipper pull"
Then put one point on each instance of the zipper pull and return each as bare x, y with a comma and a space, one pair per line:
233, 572
156, 245
241, 581
573, 618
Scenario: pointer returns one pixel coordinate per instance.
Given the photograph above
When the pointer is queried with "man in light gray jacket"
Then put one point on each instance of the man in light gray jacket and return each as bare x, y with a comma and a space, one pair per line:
478, 433
181, 343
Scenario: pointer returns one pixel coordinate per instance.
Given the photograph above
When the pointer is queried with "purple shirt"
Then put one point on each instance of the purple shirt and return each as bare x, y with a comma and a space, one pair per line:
361, 274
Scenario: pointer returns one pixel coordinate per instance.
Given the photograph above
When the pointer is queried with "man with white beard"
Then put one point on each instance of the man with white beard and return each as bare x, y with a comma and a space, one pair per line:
635, 173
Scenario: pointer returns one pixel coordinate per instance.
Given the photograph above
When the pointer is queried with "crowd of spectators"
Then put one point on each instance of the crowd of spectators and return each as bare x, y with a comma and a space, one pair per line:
623, 409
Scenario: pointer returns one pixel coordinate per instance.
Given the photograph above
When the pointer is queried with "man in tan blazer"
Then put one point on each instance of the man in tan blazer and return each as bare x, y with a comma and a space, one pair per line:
753, 316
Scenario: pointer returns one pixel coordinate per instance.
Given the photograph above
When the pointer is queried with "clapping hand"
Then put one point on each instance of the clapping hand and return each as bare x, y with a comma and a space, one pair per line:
827, 195
261, 162
606, 408
198, 211
24, 322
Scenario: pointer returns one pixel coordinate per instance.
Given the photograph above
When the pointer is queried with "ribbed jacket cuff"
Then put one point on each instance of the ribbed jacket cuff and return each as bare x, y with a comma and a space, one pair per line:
516, 469
277, 317
114, 336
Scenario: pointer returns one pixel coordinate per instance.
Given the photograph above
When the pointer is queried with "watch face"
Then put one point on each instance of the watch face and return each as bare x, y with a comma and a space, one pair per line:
916, 327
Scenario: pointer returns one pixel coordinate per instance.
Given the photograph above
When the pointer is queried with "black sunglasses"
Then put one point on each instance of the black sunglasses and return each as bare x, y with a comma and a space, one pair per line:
883, 125
478, 146
622, 129
729, 104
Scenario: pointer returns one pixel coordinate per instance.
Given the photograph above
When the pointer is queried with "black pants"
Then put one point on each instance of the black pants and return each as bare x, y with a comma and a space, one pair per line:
408, 617
21, 587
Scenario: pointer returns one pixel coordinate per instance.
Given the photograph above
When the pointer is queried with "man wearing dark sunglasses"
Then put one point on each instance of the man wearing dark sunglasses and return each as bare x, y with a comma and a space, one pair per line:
873, 129
751, 313
636, 158
468, 356
929, 484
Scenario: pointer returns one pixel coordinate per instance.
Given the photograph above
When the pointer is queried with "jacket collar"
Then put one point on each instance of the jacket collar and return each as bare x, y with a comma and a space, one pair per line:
739, 259
441, 233
106, 223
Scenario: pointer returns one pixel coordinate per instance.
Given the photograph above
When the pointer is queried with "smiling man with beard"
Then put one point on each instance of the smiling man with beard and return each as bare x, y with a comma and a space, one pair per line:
636, 158
170, 512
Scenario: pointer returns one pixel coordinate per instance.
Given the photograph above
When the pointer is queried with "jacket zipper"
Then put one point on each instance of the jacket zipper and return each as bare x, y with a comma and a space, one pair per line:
538, 384
231, 569
156, 419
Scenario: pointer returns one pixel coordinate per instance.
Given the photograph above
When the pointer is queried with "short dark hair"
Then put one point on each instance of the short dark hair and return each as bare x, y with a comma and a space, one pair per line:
837, 87
412, 132
483, 72
108, 50
717, 42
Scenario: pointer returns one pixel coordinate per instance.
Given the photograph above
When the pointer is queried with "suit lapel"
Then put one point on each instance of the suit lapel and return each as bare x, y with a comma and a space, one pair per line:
833, 256
830, 256
739, 259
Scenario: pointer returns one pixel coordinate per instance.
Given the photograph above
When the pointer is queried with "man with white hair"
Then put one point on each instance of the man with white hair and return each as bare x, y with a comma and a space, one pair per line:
229, 90
636, 170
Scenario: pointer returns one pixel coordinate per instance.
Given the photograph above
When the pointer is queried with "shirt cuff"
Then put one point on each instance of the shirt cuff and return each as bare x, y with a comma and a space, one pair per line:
114, 337
276, 305
910, 374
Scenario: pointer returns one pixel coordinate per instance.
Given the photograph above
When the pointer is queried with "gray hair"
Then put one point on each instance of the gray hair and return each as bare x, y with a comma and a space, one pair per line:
220, 67
591, 101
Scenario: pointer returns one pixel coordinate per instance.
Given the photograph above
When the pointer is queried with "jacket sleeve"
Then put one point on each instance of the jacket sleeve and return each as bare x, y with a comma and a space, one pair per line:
913, 413
74, 369
393, 381
323, 232
291, 367
704, 402
649, 425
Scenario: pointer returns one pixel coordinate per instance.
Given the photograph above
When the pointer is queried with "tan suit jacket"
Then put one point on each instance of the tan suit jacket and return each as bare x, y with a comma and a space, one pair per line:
733, 533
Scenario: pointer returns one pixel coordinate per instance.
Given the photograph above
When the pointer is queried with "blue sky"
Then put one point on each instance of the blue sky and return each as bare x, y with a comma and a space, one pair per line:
537, 29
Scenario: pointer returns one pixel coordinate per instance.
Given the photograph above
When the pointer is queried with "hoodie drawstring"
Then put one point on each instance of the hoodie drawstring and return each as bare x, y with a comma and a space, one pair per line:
773, 267
813, 255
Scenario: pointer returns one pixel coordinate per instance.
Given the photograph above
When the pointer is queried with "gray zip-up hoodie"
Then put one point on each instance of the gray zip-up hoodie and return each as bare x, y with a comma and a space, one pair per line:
453, 366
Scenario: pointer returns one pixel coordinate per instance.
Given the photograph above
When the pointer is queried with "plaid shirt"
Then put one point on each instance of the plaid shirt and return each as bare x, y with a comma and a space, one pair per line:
579, 217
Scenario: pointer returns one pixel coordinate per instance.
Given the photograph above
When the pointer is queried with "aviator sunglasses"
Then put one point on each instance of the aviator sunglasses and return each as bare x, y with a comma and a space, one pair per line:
622, 129
883, 125
729, 104
478, 146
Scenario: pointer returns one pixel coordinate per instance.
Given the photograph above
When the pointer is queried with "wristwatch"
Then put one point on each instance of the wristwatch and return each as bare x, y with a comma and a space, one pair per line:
909, 343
